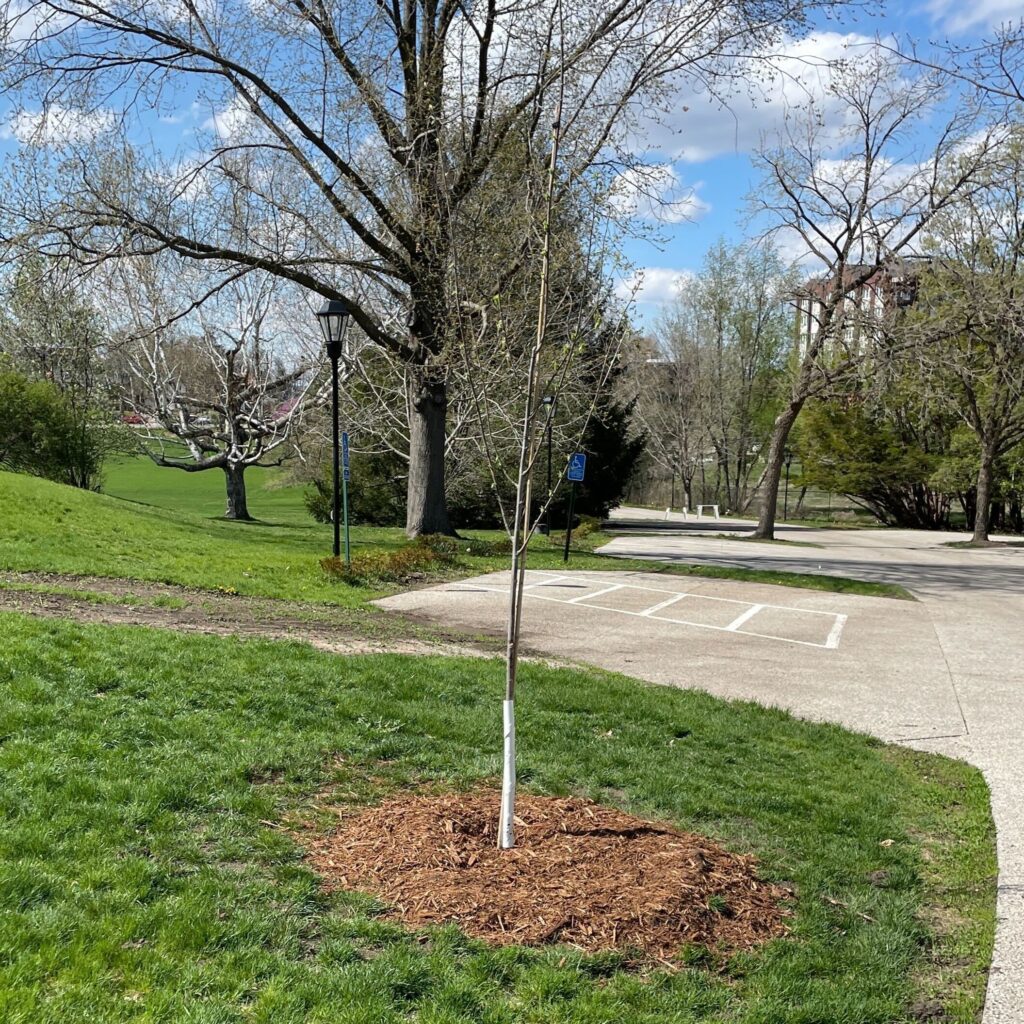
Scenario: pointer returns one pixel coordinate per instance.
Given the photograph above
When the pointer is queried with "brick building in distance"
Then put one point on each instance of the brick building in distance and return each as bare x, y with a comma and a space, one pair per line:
869, 302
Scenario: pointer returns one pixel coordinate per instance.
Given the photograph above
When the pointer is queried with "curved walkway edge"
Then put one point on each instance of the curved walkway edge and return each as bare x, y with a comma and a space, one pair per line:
974, 599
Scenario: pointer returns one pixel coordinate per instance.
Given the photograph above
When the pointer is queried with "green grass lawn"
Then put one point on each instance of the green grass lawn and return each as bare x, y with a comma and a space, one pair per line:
270, 497
162, 525
145, 874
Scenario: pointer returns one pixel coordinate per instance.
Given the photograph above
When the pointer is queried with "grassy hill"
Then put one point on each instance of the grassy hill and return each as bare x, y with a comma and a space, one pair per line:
52, 528
158, 525
271, 497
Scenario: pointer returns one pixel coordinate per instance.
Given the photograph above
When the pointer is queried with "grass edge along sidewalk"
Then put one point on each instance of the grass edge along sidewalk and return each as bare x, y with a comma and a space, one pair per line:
153, 783
47, 527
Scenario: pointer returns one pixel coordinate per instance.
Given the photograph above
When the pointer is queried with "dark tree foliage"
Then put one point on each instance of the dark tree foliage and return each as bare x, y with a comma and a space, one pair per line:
613, 449
885, 463
41, 433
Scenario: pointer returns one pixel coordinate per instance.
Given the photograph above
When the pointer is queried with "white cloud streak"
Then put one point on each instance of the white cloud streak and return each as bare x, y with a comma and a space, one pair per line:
57, 126
654, 285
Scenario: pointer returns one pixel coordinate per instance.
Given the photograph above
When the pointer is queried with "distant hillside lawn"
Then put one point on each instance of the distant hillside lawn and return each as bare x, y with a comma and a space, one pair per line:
165, 526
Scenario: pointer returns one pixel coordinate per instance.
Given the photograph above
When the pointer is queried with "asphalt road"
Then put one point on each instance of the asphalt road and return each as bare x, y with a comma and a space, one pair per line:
945, 673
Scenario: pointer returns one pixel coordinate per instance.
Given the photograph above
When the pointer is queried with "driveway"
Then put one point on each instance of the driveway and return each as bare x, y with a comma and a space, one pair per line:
945, 673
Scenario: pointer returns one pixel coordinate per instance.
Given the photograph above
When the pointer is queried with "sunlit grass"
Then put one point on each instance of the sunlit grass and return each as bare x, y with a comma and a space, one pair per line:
152, 531
145, 873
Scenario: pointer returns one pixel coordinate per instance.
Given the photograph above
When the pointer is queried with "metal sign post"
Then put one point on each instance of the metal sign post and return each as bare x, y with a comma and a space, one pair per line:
344, 490
574, 474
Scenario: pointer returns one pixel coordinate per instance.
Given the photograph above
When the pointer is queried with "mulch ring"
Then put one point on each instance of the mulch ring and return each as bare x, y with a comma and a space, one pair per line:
581, 873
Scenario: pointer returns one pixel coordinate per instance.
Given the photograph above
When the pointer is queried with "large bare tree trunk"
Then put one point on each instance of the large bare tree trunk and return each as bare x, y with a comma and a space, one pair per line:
234, 478
773, 470
983, 503
426, 508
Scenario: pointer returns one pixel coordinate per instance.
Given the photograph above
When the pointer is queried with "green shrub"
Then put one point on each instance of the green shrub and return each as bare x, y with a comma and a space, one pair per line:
43, 434
376, 491
473, 546
424, 556
584, 527
402, 566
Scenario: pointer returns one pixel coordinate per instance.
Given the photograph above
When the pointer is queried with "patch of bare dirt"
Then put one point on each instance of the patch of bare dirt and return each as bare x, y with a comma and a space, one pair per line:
135, 602
581, 873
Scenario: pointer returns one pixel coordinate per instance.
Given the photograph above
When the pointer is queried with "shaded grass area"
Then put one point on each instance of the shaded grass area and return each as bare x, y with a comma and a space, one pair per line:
50, 528
145, 874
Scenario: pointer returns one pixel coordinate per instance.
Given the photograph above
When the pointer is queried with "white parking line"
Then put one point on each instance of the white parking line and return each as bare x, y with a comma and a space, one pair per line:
662, 604
831, 642
833, 637
550, 581
597, 593
740, 619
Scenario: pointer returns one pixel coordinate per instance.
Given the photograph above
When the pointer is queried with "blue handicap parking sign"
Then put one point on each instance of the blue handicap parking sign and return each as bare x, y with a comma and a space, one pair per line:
344, 454
577, 467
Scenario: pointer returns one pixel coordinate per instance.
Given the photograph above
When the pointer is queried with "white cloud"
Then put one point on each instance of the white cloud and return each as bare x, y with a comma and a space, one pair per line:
655, 285
29, 23
57, 125
698, 128
235, 120
957, 16
656, 192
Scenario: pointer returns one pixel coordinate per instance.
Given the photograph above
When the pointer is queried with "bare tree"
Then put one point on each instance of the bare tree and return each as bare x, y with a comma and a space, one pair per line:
216, 387
992, 67
709, 393
665, 373
349, 139
857, 197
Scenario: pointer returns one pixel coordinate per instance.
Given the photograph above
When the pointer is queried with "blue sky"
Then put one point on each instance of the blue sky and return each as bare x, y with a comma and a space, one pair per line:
702, 150
712, 160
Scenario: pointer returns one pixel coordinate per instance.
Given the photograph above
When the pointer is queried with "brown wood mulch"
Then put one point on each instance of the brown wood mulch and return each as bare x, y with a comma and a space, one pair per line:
581, 873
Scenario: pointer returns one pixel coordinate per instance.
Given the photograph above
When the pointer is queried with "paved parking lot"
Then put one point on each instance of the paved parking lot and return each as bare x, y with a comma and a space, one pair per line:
831, 657
664, 602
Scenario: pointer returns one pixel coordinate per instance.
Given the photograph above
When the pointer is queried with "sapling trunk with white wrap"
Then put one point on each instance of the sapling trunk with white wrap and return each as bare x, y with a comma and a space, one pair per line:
521, 529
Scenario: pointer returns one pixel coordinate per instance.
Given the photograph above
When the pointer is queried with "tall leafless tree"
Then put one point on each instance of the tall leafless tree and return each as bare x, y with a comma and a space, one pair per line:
857, 196
350, 138
708, 392
970, 324
216, 387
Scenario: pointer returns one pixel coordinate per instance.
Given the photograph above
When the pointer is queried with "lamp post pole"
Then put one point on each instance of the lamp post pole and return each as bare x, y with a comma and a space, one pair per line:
336, 445
549, 401
333, 317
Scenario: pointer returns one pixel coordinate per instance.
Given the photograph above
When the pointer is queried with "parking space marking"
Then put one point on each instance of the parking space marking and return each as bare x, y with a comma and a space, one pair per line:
837, 629
647, 612
734, 627
597, 593
740, 619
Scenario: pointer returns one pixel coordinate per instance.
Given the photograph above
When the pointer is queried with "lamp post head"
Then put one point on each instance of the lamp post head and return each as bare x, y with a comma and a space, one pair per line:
789, 457
334, 316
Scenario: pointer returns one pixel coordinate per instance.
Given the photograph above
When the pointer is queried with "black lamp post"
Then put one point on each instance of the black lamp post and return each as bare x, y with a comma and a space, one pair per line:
789, 462
549, 401
333, 316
